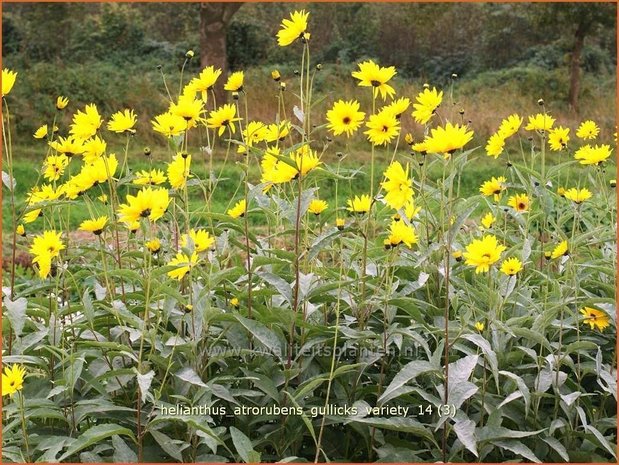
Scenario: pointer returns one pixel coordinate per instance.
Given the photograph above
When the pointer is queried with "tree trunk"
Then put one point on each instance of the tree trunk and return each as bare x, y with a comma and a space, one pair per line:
579, 41
214, 20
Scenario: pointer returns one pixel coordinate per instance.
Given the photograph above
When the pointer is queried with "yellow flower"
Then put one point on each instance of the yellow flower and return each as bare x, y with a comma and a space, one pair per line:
495, 145
488, 220
457, 254
588, 130
69, 146
37, 195
382, 128
122, 121
420, 147
189, 108
223, 118
101, 170
359, 204
372, 75
275, 75
427, 103
169, 124
481, 253
519, 202
183, 264
151, 178
61, 102
398, 107
540, 122
593, 317
54, 167
154, 245
558, 138
577, 195
411, 210
510, 126
148, 203
234, 302
239, 210
345, 117
178, 170
408, 138
254, 133
511, 266
103, 198
340, 223
306, 159
47, 243
201, 239
205, 81
86, 123
20, 230
401, 232
561, 191
560, 250
41, 132
588, 155
293, 29
46, 247
276, 171
189, 54
8, 81
277, 132
93, 149
13, 377
398, 185
494, 187
94, 226
235, 82
317, 206
479, 326
448, 139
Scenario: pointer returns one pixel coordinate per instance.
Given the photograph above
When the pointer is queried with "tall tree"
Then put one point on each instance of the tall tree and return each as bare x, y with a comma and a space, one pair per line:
214, 20
582, 19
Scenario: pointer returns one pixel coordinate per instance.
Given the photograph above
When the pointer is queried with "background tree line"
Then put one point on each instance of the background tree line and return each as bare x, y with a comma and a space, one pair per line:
542, 46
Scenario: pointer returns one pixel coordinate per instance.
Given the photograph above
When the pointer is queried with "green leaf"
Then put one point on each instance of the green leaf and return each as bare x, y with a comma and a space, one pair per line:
122, 452
517, 448
283, 288
465, 430
601, 440
144, 382
243, 446
558, 448
408, 373
169, 446
263, 334
401, 424
94, 435
89, 310
16, 313
190, 376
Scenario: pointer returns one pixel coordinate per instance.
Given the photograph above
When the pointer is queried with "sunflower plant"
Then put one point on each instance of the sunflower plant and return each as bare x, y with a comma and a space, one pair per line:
408, 322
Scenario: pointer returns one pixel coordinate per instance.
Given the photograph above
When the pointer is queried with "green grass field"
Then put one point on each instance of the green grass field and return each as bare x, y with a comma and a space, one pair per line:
28, 164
